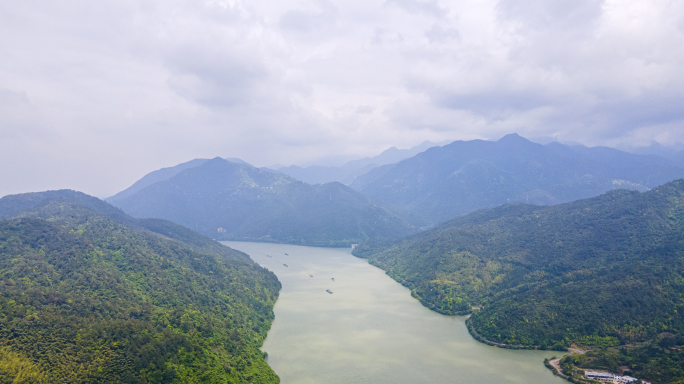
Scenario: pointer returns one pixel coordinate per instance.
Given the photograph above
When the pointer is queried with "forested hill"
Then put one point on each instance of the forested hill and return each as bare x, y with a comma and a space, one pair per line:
444, 182
602, 270
87, 298
24, 204
229, 201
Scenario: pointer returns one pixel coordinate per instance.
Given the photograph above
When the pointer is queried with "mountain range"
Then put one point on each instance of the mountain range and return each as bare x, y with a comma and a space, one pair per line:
444, 182
673, 153
547, 246
231, 201
345, 174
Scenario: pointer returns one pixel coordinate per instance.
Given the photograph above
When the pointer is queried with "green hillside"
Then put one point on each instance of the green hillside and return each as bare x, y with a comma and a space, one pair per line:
230, 201
599, 272
86, 298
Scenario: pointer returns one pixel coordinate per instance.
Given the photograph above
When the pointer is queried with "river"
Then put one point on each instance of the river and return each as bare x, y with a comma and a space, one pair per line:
370, 330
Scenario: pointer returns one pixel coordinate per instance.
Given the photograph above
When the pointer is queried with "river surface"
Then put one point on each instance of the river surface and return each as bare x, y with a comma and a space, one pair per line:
370, 330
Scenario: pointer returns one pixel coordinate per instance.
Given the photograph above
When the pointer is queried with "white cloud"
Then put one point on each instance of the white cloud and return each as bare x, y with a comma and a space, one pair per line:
430, 7
94, 95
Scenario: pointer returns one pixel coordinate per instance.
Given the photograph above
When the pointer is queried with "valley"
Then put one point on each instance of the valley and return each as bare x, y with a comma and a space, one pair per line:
603, 273
342, 192
370, 330
595, 263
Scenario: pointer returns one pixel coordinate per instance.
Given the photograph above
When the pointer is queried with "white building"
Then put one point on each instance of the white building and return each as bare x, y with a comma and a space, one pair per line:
623, 379
609, 377
600, 376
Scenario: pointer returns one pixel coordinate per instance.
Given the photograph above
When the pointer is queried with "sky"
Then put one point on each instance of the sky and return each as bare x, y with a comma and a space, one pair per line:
95, 94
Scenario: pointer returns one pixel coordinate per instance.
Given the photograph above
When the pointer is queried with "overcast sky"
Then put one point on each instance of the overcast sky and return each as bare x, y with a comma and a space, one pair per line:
95, 94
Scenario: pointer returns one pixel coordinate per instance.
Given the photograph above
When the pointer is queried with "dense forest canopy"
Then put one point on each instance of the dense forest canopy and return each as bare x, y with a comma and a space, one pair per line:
86, 298
598, 272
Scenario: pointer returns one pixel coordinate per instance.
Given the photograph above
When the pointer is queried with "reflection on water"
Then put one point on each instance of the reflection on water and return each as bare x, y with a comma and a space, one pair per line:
370, 330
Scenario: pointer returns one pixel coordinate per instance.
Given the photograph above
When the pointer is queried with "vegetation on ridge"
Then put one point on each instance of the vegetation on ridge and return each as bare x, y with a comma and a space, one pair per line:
87, 299
599, 272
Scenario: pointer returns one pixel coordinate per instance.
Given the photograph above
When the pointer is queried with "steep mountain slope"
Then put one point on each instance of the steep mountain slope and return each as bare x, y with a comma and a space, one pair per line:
316, 174
226, 200
461, 177
161, 175
156, 176
599, 272
605, 266
345, 174
86, 298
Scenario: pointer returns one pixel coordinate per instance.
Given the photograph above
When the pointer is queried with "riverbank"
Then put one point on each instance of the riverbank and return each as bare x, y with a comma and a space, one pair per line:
371, 331
553, 364
481, 339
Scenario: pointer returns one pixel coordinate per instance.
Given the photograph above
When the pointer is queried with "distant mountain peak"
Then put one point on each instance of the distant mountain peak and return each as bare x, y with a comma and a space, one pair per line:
217, 160
250, 203
447, 181
513, 138
316, 174
236, 160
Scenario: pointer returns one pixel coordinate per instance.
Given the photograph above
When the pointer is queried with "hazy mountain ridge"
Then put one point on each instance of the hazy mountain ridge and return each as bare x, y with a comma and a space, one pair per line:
345, 174
232, 201
161, 175
87, 298
444, 182
599, 272
23, 204
674, 153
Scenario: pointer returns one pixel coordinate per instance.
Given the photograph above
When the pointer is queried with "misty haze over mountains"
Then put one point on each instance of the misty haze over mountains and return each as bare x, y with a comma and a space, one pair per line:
674, 153
345, 174
517, 163
234, 200
438, 219
227, 200
458, 178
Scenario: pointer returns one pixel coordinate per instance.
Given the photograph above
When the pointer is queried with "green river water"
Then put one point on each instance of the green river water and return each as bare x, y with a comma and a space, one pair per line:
370, 330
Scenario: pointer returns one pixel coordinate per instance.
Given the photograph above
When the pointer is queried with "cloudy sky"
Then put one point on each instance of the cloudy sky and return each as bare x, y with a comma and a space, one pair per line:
94, 94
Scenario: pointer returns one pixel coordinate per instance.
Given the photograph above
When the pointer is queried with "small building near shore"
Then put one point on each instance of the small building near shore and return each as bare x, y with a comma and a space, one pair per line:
600, 376
611, 378
624, 379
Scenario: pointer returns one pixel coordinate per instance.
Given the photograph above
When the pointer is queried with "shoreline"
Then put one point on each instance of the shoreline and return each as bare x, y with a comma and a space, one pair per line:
481, 339
552, 364
357, 282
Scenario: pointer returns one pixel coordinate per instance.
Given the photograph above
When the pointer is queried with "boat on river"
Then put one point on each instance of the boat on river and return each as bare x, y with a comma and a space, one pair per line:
333, 279
285, 265
310, 275
329, 291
